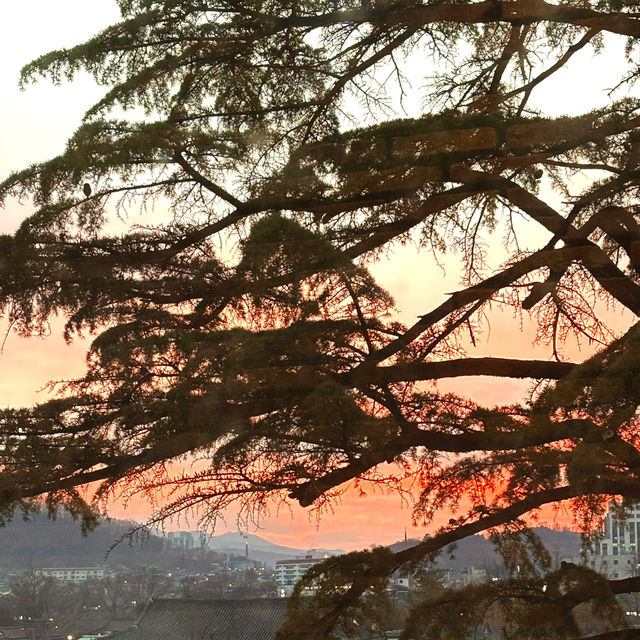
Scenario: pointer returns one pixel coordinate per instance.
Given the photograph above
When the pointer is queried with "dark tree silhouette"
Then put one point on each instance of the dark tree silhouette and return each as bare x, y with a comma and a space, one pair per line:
243, 326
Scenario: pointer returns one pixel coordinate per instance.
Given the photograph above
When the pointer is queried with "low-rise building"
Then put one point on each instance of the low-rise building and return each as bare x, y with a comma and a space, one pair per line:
32, 630
459, 578
74, 574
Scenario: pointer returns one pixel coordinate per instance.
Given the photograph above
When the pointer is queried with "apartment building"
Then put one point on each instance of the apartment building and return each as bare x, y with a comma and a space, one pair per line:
616, 553
288, 572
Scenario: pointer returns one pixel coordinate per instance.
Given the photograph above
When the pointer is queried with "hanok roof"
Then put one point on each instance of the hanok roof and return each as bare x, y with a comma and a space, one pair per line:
186, 619
308, 561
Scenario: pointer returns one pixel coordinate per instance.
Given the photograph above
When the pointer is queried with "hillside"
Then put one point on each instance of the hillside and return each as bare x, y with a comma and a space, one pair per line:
477, 551
42, 542
234, 543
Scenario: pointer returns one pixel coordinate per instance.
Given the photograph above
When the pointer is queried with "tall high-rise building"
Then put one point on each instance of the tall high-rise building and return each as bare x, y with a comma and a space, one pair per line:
616, 553
620, 536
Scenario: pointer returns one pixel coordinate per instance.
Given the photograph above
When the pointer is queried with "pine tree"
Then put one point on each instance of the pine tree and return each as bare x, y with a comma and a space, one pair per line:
244, 326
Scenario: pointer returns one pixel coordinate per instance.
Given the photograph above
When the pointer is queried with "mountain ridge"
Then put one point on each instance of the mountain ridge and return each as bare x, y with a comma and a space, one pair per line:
41, 542
479, 552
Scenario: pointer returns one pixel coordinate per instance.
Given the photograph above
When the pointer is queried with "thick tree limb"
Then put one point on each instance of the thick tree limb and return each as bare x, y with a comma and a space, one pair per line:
500, 367
513, 12
205, 182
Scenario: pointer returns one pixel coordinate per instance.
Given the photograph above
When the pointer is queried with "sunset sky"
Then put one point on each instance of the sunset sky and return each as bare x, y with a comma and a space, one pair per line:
35, 124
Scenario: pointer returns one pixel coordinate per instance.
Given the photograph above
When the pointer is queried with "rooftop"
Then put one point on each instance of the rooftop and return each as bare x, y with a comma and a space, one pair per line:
305, 560
188, 619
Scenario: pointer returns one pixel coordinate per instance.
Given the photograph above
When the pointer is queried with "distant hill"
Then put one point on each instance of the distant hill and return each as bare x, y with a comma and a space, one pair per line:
41, 542
477, 551
234, 543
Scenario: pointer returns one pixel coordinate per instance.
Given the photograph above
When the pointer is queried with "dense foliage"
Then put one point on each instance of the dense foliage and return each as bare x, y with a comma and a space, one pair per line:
243, 326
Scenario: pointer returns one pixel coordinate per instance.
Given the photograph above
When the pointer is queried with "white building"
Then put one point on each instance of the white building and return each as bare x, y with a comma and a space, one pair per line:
288, 572
616, 553
74, 574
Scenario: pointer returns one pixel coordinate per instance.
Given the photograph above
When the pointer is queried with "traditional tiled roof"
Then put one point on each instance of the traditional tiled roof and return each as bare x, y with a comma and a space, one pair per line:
186, 619
308, 561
